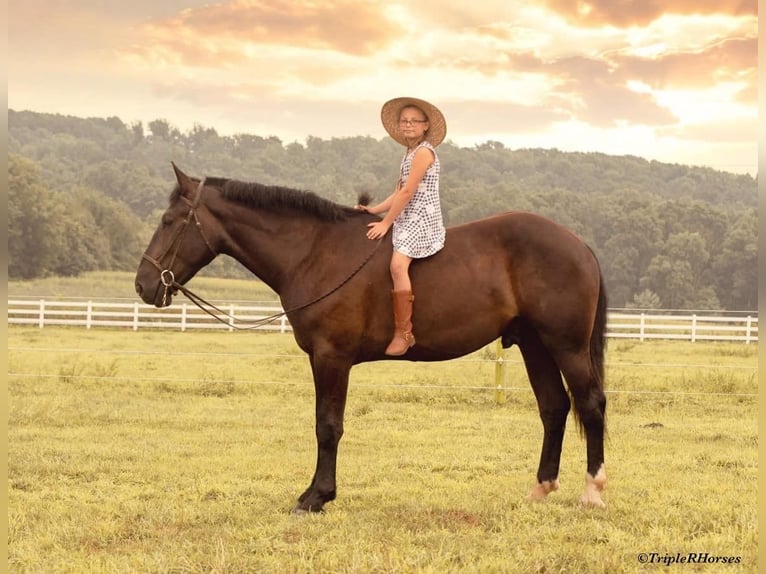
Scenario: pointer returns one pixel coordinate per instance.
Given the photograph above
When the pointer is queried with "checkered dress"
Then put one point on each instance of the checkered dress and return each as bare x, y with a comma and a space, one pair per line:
418, 231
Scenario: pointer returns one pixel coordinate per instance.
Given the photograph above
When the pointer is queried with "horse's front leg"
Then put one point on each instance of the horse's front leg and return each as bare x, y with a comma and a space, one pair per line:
331, 385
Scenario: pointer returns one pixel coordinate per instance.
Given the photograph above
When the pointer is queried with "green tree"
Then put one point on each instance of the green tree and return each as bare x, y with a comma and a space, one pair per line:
677, 274
31, 216
160, 129
119, 232
646, 299
736, 267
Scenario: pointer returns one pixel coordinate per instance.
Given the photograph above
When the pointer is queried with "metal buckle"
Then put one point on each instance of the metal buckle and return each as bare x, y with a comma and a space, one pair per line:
167, 282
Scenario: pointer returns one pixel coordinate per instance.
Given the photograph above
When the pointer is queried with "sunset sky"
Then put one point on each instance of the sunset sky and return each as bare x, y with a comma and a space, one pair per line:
672, 80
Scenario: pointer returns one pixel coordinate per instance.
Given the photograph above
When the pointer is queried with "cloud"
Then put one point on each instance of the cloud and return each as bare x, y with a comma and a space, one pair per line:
233, 32
458, 15
49, 30
624, 14
593, 91
728, 60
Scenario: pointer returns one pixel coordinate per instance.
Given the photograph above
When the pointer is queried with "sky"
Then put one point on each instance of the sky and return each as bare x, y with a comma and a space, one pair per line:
669, 80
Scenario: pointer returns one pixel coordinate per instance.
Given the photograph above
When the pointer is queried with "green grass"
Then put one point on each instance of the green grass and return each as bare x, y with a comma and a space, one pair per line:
184, 452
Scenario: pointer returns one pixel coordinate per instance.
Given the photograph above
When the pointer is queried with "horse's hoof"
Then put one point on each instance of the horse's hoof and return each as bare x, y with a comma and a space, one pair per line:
542, 489
300, 511
594, 486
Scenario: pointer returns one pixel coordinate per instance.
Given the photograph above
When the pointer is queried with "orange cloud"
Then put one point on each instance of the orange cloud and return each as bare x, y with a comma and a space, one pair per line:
642, 12
585, 89
217, 34
725, 61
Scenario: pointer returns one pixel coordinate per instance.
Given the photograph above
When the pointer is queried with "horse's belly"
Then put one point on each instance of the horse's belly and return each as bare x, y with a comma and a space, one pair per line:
458, 330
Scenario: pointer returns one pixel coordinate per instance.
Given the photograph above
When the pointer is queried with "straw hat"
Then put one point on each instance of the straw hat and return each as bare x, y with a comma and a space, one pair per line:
389, 115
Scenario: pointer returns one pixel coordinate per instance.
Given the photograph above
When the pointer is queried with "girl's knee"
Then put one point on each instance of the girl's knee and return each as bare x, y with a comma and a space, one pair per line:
399, 266
400, 272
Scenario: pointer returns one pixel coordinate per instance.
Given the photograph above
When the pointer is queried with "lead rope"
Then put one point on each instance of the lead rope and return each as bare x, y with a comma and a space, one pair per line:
202, 303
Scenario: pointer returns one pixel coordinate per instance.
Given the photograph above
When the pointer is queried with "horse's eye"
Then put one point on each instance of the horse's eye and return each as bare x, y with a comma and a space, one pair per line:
167, 221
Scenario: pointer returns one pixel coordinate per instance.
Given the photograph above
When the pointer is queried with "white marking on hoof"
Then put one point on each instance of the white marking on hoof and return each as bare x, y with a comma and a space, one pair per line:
593, 488
542, 489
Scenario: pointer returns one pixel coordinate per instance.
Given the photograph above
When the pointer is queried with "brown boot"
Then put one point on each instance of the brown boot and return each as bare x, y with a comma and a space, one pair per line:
403, 337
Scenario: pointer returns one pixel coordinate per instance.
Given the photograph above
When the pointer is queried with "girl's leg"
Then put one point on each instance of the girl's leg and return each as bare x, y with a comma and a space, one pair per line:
400, 271
403, 338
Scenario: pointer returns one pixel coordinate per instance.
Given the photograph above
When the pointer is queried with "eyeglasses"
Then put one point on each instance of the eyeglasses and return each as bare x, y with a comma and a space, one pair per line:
411, 122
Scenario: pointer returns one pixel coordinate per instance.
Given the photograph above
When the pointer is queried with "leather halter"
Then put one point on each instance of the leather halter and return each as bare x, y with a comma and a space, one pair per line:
167, 277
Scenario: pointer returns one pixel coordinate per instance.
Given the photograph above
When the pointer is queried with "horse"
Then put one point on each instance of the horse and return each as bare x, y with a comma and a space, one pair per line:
516, 276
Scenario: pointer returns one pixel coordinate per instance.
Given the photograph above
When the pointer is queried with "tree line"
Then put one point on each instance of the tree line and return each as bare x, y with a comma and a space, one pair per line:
86, 193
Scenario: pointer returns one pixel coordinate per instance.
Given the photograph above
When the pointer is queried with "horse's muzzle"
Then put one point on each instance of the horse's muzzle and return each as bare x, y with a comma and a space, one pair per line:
158, 297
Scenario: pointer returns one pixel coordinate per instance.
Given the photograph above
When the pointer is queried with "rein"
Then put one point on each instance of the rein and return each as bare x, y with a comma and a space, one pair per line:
168, 279
202, 303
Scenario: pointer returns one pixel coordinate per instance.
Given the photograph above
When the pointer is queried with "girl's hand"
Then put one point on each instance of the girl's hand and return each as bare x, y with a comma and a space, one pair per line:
362, 208
377, 229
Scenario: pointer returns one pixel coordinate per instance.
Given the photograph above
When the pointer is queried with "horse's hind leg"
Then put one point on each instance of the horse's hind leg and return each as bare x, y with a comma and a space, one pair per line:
590, 407
553, 405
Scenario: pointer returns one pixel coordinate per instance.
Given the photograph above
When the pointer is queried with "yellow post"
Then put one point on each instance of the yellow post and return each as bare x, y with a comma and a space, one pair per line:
499, 374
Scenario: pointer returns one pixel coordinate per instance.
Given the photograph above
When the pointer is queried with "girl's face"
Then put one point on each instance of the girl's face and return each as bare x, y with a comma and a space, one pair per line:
413, 123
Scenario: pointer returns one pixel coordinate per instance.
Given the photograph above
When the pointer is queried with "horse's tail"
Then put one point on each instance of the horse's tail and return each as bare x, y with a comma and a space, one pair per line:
598, 341
598, 336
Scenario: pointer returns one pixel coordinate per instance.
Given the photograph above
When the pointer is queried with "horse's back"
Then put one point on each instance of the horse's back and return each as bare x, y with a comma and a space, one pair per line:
492, 270
518, 243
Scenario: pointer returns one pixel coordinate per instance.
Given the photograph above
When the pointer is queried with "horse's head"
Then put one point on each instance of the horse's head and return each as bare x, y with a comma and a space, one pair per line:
179, 247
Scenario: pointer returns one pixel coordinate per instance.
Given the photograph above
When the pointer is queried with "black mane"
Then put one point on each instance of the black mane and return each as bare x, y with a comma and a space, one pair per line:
273, 197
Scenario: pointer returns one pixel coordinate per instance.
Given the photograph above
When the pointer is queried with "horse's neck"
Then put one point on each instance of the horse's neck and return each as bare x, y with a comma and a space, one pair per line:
272, 246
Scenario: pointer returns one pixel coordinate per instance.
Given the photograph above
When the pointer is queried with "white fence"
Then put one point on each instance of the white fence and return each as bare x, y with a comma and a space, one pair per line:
135, 315
685, 327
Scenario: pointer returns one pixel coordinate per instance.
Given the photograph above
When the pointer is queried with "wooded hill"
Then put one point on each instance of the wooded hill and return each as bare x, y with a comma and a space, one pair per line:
85, 194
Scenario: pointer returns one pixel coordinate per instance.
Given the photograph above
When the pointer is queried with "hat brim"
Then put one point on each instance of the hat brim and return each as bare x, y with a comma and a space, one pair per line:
437, 125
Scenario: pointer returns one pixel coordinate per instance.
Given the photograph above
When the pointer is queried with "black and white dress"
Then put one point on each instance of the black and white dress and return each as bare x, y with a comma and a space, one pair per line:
418, 231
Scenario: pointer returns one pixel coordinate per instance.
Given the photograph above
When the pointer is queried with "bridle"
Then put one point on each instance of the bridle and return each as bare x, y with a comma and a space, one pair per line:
167, 277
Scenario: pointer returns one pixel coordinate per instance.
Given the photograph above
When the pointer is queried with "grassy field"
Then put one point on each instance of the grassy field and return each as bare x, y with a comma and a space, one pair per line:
184, 452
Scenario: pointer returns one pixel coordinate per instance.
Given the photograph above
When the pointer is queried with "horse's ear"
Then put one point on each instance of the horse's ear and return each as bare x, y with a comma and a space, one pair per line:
184, 181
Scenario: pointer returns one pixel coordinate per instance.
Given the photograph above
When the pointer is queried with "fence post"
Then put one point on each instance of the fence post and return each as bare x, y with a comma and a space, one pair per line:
694, 327
748, 331
283, 323
135, 316
41, 320
642, 326
499, 374
183, 317
231, 317
89, 315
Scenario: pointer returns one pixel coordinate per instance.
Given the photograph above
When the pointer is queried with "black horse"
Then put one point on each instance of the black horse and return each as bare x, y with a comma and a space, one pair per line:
517, 276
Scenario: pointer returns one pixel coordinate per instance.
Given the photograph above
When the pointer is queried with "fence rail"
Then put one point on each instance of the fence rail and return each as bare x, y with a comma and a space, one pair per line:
621, 324
689, 327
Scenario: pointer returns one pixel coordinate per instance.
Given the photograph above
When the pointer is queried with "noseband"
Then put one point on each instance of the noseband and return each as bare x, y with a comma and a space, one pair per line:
167, 277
